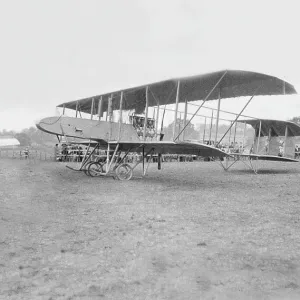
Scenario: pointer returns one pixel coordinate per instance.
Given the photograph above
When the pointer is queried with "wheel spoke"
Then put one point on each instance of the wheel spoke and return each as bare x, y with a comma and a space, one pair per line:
124, 172
95, 169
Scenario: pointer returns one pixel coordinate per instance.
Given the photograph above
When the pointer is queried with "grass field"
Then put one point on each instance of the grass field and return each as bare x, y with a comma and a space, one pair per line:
190, 231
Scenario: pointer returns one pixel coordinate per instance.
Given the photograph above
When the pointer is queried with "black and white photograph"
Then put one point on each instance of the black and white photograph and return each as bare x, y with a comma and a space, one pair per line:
149, 150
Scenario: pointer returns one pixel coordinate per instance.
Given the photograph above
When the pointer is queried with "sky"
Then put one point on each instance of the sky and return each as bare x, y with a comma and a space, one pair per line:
61, 50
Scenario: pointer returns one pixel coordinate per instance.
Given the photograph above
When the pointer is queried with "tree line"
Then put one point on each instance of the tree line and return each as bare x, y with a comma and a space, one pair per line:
30, 136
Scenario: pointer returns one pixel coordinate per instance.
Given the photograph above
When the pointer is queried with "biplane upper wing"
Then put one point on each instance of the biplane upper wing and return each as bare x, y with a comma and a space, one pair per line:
192, 148
230, 84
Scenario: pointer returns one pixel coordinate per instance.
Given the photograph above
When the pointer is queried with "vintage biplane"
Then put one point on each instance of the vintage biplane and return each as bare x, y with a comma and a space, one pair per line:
127, 121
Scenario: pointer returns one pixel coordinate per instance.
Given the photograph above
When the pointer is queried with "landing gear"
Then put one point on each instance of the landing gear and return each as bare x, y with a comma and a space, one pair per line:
249, 161
124, 172
85, 169
95, 169
114, 163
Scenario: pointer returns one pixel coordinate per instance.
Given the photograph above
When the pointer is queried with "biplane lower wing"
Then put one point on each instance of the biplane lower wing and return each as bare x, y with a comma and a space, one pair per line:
162, 147
251, 160
262, 157
114, 161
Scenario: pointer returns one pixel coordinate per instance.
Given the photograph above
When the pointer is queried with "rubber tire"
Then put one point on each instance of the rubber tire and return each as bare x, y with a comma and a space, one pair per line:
120, 172
85, 170
97, 171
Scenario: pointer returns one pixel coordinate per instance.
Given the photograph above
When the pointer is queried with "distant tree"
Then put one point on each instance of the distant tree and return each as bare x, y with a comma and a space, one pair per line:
30, 135
5, 132
23, 138
295, 120
190, 132
31, 130
39, 137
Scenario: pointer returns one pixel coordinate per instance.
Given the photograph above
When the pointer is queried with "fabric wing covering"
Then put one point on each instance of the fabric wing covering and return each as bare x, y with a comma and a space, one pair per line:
192, 148
233, 84
266, 157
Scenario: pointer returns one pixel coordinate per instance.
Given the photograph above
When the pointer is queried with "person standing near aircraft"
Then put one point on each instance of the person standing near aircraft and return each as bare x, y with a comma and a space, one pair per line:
267, 142
281, 148
26, 152
297, 153
56, 154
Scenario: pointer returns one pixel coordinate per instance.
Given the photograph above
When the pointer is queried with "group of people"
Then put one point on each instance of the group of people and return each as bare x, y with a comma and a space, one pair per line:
25, 153
233, 147
66, 152
281, 148
139, 123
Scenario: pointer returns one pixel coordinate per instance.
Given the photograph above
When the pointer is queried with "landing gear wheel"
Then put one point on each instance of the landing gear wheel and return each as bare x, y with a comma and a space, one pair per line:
124, 172
86, 170
95, 169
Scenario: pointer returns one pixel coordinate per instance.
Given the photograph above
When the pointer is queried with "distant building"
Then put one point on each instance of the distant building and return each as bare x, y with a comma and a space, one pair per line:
8, 141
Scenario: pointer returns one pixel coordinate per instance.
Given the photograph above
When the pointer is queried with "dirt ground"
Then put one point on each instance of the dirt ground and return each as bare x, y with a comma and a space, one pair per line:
190, 231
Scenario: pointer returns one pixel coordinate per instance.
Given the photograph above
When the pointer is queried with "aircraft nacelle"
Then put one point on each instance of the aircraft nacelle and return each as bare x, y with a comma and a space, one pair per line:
87, 129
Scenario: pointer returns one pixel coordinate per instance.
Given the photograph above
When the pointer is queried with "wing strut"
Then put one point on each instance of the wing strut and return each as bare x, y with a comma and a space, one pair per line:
239, 114
120, 118
162, 125
100, 108
285, 139
176, 110
156, 121
211, 124
184, 116
204, 129
158, 108
92, 108
236, 158
205, 99
146, 113
218, 116
258, 138
229, 138
234, 136
244, 133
